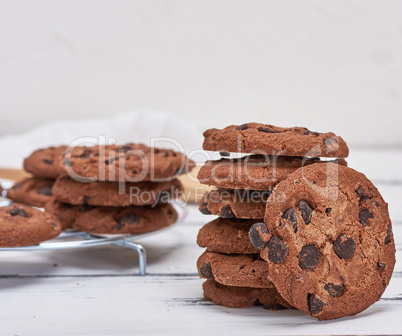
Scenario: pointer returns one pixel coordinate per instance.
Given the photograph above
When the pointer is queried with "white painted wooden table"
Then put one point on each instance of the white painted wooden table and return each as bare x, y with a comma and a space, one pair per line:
98, 291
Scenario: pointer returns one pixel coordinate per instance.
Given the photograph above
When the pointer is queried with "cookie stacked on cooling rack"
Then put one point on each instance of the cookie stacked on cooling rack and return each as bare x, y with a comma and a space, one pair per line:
37, 190
319, 241
112, 189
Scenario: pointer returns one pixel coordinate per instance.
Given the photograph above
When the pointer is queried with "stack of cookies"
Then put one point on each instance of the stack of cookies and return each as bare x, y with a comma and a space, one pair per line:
297, 227
110, 189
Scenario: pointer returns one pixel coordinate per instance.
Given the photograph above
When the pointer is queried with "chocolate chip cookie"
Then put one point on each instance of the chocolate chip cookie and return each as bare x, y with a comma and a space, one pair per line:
227, 236
243, 297
133, 219
34, 191
235, 203
22, 225
241, 270
267, 139
45, 162
255, 172
130, 162
66, 213
68, 190
329, 244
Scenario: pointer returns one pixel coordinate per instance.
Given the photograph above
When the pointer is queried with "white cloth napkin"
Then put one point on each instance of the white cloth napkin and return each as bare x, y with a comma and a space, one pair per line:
141, 126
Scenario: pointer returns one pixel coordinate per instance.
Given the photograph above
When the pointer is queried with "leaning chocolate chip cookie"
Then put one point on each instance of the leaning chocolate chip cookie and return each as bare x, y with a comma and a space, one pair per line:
235, 203
267, 139
133, 219
22, 225
329, 244
243, 270
227, 236
68, 190
130, 162
243, 297
34, 191
255, 172
45, 162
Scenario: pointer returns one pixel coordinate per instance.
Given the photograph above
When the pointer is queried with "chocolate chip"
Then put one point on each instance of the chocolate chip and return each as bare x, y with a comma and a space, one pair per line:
315, 305
174, 154
203, 209
126, 148
328, 210
109, 161
53, 224
290, 216
166, 154
361, 193
47, 191
309, 257
85, 199
226, 212
48, 161
277, 250
206, 271
254, 235
266, 130
134, 172
85, 153
241, 267
334, 290
380, 265
224, 153
344, 247
315, 133
129, 219
331, 144
377, 204
388, 236
273, 306
364, 215
306, 211
242, 127
17, 211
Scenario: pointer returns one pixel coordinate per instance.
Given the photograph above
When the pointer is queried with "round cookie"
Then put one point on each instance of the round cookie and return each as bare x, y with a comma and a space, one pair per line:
235, 203
133, 220
243, 297
330, 247
35, 191
227, 236
22, 225
268, 139
66, 213
255, 172
240, 270
45, 162
130, 162
68, 190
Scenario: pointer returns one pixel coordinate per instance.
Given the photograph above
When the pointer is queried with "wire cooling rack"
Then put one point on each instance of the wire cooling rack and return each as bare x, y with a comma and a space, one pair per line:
79, 239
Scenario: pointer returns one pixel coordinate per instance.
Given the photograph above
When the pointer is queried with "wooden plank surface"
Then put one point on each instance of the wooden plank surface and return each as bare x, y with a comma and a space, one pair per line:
97, 291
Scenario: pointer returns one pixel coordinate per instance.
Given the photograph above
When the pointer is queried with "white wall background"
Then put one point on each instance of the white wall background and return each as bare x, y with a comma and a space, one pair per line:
328, 65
